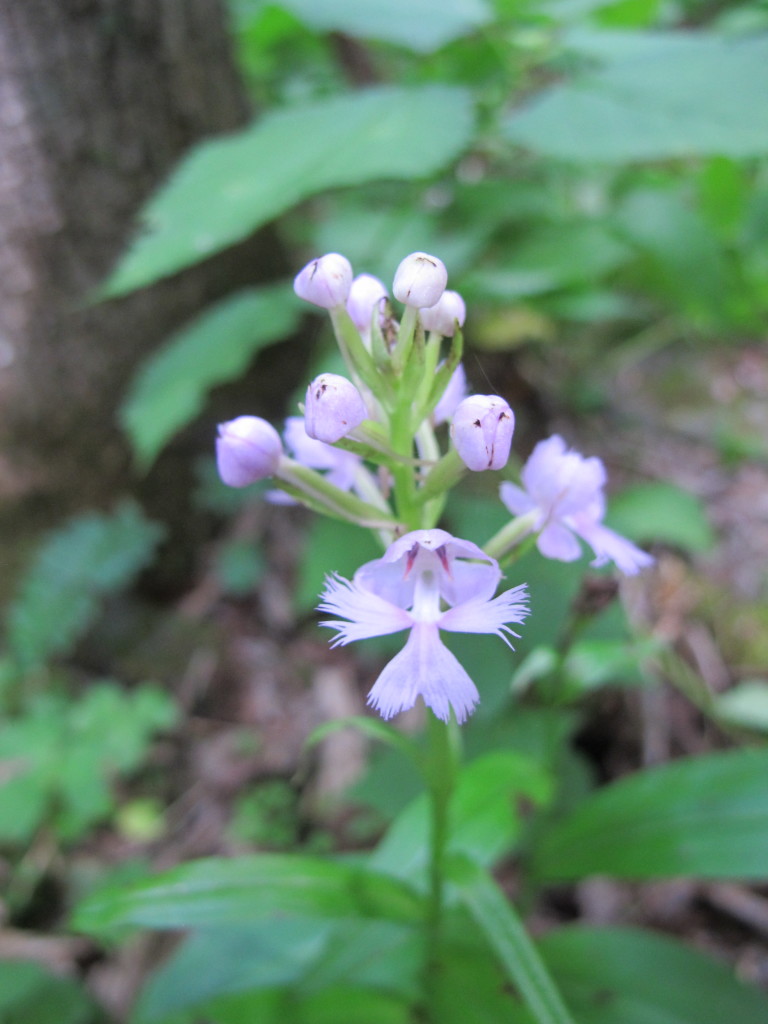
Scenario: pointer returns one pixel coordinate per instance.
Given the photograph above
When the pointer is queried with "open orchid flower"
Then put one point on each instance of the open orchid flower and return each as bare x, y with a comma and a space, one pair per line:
566, 492
426, 581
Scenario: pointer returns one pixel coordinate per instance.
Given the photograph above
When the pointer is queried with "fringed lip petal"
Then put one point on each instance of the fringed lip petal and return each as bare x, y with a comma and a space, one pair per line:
409, 588
425, 667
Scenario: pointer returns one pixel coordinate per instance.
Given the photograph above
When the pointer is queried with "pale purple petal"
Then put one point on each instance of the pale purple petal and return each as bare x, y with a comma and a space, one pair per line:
368, 614
454, 393
557, 541
561, 482
333, 407
612, 547
516, 499
488, 616
342, 466
424, 667
482, 430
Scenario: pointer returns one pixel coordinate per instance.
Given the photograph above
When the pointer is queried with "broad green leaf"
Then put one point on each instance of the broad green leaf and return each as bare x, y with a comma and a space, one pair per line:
663, 512
170, 388
506, 935
226, 188
343, 1004
238, 958
89, 557
421, 25
216, 891
654, 97
704, 816
612, 975
745, 705
28, 993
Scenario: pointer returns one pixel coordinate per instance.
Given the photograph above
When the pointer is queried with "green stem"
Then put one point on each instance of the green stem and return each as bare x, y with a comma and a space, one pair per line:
440, 770
511, 535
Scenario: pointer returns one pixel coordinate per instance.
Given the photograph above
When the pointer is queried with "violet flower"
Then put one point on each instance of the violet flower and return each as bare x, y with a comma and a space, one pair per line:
325, 282
366, 294
426, 581
482, 431
332, 408
566, 491
420, 280
247, 449
445, 314
451, 397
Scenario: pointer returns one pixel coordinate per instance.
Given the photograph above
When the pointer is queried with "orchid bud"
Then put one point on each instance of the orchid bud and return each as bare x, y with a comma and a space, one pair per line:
482, 432
442, 317
333, 407
420, 280
325, 282
366, 295
247, 449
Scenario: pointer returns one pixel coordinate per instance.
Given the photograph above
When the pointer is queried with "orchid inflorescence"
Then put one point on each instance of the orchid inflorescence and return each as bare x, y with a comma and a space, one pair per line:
405, 380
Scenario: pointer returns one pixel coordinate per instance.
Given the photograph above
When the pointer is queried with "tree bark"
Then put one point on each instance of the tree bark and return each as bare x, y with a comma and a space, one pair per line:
98, 100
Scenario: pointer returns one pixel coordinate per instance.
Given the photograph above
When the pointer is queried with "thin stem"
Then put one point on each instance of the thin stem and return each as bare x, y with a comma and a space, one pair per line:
441, 768
509, 536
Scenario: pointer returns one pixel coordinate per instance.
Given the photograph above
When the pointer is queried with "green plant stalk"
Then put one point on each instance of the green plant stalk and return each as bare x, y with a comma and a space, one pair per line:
315, 491
443, 751
509, 536
402, 349
359, 360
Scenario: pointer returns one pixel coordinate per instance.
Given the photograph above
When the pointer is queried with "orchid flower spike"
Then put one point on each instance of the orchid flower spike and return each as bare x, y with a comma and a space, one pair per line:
565, 490
325, 282
333, 407
420, 280
443, 316
426, 581
482, 431
247, 449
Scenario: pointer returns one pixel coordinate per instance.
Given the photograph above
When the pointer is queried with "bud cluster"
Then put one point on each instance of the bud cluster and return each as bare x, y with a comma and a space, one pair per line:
370, 447
405, 379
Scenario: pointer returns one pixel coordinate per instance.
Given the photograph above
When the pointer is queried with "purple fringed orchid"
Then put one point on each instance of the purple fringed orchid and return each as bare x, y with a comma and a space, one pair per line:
426, 581
566, 491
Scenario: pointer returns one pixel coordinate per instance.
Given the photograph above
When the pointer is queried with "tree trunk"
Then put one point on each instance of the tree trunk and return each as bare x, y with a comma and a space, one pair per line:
98, 100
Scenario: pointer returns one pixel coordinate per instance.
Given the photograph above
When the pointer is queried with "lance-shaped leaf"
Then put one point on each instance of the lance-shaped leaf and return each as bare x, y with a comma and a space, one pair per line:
704, 816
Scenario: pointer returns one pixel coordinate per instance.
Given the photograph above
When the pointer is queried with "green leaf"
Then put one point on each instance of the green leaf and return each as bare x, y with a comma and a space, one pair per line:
745, 705
170, 388
704, 816
653, 96
611, 975
506, 935
213, 892
421, 25
91, 556
662, 512
227, 188
29, 993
